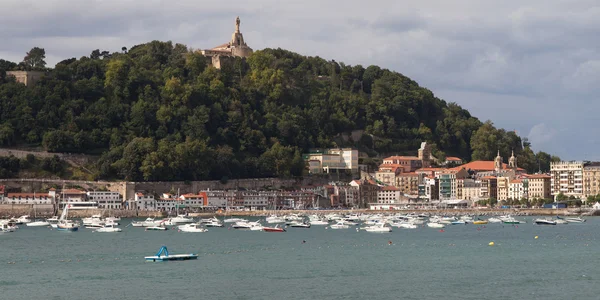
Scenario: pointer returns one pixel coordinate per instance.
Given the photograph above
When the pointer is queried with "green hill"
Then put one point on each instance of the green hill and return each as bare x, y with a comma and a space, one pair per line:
160, 112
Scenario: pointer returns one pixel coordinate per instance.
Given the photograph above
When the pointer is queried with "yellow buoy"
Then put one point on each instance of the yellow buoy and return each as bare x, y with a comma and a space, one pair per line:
491, 244
536, 237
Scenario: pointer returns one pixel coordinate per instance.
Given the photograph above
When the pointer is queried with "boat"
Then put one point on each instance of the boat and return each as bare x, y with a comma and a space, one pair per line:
209, 220
273, 229
22, 220
510, 220
558, 220
297, 224
494, 220
65, 224
146, 223
192, 227
480, 222
544, 222
38, 223
575, 220
459, 222
7, 227
318, 222
108, 228
435, 225
213, 224
339, 225
163, 255
234, 220
93, 220
53, 221
181, 219
274, 220
378, 228
159, 227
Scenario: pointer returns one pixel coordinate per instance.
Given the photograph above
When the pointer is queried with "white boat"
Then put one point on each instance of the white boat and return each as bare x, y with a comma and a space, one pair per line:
575, 220
459, 222
544, 222
209, 220
53, 221
407, 226
339, 225
247, 225
274, 220
160, 227
378, 228
23, 220
38, 224
192, 227
494, 220
349, 222
108, 228
561, 221
95, 219
435, 225
146, 223
293, 217
318, 222
114, 219
181, 219
6, 227
213, 224
299, 224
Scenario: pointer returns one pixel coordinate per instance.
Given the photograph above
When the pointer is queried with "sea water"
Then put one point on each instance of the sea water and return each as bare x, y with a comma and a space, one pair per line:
315, 263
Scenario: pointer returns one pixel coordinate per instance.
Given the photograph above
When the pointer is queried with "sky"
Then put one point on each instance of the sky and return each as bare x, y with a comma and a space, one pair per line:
530, 66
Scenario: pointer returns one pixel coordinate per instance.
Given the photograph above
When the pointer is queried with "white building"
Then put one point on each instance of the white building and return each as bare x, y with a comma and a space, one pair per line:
192, 200
332, 160
28, 198
567, 178
516, 189
145, 201
106, 199
258, 199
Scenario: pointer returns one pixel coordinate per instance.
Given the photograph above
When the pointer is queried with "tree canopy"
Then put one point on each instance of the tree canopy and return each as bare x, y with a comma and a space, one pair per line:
159, 111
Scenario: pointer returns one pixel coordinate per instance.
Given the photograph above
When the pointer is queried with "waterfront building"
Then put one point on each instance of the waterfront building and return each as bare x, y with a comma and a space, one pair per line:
468, 189
344, 194
193, 200
297, 199
408, 183
259, 199
591, 179
539, 186
28, 198
328, 160
236, 47
166, 202
489, 187
106, 199
388, 195
483, 168
518, 189
567, 178
447, 185
76, 199
502, 188
215, 199
145, 201
388, 174
367, 191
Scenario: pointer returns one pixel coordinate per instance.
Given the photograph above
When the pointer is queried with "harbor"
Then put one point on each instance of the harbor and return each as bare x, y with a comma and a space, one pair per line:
234, 263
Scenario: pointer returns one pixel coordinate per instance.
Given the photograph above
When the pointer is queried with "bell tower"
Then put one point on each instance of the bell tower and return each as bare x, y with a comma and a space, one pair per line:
498, 163
512, 161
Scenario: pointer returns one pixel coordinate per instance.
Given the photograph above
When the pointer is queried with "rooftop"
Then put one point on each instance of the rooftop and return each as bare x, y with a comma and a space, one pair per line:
401, 158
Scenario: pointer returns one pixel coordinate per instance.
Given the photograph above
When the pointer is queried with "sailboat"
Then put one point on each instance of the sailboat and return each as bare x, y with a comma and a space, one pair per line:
37, 223
65, 224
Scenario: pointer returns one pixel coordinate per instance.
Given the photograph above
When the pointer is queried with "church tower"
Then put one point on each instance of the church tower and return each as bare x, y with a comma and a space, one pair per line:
237, 44
498, 163
512, 161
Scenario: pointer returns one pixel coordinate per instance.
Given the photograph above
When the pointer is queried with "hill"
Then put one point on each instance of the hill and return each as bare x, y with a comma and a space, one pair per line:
160, 112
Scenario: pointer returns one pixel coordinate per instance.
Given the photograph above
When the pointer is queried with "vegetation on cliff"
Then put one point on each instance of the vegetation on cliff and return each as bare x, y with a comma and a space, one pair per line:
160, 112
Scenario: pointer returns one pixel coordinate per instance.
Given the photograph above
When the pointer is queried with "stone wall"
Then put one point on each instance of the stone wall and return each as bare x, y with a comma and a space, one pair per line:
15, 210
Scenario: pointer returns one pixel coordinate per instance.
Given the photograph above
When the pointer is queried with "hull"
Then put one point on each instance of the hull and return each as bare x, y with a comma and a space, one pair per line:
435, 225
67, 228
172, 257
544, 222
38, 224
107, 230
193, 230
480, 222
268, 229
213, 225
339, 226
157, 228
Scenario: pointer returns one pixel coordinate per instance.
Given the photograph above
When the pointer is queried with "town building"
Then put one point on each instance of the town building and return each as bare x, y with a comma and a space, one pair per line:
193, 201
215, 199
567, 178
144, 201
76, 199
497, 167
388, 197
518, 189
503, 186
388, 174
236, 47
106, 199
429, 190
367, 191
344, 195
489, 187
447, 185
424, 154
408, 183
28, 198
591, 179
452, 161
468, 189
539, 186
28, 78
406, 163
332, 160
166, 202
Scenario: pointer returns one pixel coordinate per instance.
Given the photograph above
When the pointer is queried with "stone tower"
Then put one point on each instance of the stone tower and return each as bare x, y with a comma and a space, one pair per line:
498, 163
235, 47
425, 155
512, 161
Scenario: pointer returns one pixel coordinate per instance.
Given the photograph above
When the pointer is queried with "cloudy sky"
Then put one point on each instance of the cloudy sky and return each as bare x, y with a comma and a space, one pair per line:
531, 66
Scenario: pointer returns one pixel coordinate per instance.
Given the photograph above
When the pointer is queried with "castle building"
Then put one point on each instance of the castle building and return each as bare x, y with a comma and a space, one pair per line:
236, 47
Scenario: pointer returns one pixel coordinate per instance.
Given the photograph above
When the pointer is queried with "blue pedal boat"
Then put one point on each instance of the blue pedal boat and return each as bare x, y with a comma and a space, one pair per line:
163, 255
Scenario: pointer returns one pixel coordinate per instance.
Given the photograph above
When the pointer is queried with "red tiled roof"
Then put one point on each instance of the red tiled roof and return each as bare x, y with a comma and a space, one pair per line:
453, 158
402, 158
389, 188
52, 189
516, 181
482, 165
411, 174
429, 169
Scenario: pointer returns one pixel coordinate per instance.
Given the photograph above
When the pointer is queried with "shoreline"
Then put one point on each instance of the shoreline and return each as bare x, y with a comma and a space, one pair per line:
16, 212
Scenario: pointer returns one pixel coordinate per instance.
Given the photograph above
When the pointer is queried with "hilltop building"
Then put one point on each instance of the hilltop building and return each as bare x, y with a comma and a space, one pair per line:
236, 47
28, 78
325, 161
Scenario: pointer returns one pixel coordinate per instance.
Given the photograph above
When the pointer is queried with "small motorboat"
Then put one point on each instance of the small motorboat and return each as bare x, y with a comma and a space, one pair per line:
192, 227
297, 224
163, 255
273, 229
494, 220
38, 224
480, 222
318, 222
339, 225
234, 220
213, 224
435, 225
108, 228
378, 228
575, 220
160, 227
459, 222
544, 222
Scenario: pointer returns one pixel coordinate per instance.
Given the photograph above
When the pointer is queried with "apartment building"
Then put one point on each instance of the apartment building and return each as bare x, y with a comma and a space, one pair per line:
567, 178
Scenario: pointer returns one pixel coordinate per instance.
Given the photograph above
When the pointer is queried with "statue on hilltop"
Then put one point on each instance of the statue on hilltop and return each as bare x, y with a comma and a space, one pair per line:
237, 24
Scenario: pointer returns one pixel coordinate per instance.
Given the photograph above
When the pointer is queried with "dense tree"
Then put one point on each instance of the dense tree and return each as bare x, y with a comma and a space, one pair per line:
35, 58
159, 111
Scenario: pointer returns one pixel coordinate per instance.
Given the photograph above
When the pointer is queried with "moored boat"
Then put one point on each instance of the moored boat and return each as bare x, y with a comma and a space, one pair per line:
273, 229
108, 228
378, 228
38, 224
163, 255
575, 220
544, 222
435, 225
192, 227
480, 222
